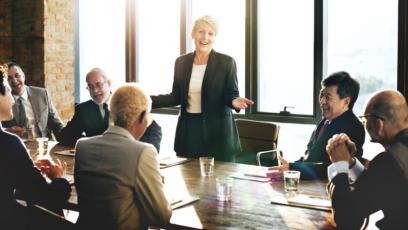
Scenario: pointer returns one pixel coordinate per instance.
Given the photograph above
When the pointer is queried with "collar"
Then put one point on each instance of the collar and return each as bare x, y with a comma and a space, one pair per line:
119, 131
24, 96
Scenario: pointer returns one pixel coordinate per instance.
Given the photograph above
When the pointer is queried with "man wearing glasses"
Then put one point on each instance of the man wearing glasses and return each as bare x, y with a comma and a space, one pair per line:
34, 113
91, 118
357, 192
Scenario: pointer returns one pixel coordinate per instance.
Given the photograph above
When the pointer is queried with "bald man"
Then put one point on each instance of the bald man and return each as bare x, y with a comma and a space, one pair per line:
384, 184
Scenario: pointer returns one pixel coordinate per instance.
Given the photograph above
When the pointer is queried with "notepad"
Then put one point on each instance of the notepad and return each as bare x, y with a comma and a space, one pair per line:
68, 152
181, 202
253, 178
171, 161
304, 201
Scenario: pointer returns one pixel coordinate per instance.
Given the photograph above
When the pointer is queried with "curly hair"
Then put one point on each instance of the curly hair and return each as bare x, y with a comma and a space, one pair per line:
129, 103
3, 75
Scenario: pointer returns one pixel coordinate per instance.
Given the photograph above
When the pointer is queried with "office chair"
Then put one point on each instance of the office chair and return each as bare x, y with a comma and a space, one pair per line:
259, 141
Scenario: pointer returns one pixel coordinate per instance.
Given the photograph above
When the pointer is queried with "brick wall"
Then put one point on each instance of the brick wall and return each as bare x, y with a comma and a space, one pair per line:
5, 31
59, 54
39, 35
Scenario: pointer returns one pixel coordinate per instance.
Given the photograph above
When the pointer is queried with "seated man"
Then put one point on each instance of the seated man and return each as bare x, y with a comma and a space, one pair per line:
117, 176
384, 184
17, 172
92, 117
337, 97
33, 108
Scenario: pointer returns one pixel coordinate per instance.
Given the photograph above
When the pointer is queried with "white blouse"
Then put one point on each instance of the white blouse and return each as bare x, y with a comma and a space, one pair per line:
194, 90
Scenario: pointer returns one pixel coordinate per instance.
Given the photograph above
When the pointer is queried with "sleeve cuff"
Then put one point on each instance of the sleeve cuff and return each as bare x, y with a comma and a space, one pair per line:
336, 168
356, 171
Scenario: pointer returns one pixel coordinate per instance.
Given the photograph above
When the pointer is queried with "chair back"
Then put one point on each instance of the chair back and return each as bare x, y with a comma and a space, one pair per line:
256, 136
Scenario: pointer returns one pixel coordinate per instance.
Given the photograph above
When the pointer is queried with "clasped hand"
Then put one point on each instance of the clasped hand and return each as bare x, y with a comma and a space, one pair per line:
341, 148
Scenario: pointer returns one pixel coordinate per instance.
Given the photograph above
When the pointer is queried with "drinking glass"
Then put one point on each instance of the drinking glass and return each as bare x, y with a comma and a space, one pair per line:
291, 179
224, 188
207, 166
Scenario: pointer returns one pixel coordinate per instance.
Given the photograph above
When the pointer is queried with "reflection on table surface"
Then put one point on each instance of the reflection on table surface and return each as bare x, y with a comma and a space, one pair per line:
250, 207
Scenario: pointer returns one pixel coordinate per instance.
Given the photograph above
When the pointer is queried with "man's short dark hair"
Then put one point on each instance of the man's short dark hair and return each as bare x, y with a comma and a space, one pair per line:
11, 64
346, 85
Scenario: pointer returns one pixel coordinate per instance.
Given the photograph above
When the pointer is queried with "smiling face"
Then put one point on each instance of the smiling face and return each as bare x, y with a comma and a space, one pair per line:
16, 79
98, 87
331, 104
204, 37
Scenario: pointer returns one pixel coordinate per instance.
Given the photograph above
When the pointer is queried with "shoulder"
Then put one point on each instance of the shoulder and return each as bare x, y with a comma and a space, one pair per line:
85, 105
10, 142
37, 90
184, 58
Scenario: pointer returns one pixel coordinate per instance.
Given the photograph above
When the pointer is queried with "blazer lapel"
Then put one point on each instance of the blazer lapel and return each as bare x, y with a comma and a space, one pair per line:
187, 76
34, 104
209, 75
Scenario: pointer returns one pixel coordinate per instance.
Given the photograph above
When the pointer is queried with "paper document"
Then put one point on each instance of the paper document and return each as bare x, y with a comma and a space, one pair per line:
68, 152
182, 201
304, 201
170, 161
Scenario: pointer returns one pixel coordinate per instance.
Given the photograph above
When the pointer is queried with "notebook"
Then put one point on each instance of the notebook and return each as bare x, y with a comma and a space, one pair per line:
171, 161
304, 201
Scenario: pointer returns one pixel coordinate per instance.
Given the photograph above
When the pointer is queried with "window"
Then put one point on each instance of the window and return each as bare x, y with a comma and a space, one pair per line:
365, 45
101, 41
285, 56
158, 43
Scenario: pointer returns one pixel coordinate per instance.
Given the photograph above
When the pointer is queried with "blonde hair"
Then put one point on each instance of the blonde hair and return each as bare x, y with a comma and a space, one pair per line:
207, 20
129, 103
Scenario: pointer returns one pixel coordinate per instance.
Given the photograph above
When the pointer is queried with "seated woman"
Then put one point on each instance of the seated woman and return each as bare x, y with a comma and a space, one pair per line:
18, 172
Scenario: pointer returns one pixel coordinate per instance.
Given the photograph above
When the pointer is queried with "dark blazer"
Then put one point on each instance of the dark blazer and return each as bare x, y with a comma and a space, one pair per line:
219, 89
314, 164
17, 171
88, 122
383, 186
45, 114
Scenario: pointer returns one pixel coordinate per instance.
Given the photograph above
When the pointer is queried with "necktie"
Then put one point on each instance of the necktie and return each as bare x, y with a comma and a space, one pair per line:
106, 117
22, 113
322, 129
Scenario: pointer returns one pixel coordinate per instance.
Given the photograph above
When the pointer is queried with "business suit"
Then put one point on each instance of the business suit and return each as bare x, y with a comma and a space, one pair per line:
88, 121
17, 171
45, 115
382, 186
316, 160
118, 183
219, 89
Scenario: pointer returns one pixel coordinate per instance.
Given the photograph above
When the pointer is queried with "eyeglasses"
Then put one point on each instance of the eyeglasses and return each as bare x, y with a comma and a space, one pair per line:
363, 118
98, 85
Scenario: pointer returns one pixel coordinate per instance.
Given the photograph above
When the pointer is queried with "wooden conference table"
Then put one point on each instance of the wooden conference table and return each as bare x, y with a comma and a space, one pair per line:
250, 207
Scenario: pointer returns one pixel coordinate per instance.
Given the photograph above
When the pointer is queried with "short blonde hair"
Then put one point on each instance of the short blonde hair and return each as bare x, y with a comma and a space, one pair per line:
128, 103
207, 20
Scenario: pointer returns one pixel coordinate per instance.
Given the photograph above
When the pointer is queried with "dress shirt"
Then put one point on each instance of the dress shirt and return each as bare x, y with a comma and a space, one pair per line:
194, 91
343, 167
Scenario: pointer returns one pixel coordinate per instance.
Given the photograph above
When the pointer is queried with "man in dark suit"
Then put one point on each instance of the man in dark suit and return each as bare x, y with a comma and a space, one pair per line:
91, 118
384, 184
33, 110
337, 97
17, 172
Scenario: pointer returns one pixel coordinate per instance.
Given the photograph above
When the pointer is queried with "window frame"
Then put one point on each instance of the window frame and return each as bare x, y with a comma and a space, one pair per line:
251, 60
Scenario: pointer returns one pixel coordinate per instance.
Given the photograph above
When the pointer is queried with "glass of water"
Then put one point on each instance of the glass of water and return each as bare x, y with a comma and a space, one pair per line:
224, 188
207, 166
291, 180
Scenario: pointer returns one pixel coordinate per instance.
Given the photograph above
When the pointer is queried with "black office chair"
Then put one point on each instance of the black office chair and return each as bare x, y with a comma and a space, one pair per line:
259, 141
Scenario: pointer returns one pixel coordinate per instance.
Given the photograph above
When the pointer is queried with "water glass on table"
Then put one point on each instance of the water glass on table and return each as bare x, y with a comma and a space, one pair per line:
291, 180
224, 188
207, 166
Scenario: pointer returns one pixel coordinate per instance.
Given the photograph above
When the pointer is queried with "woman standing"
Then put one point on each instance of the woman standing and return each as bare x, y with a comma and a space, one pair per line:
205, 85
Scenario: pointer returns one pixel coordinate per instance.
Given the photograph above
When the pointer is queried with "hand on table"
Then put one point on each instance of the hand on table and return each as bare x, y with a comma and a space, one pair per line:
283, 165
52, 169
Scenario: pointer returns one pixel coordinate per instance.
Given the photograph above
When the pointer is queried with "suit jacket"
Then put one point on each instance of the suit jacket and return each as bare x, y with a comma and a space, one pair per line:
17, 171
316, 160
118, 183
45, 114
382, 186
88, 122
219, 89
